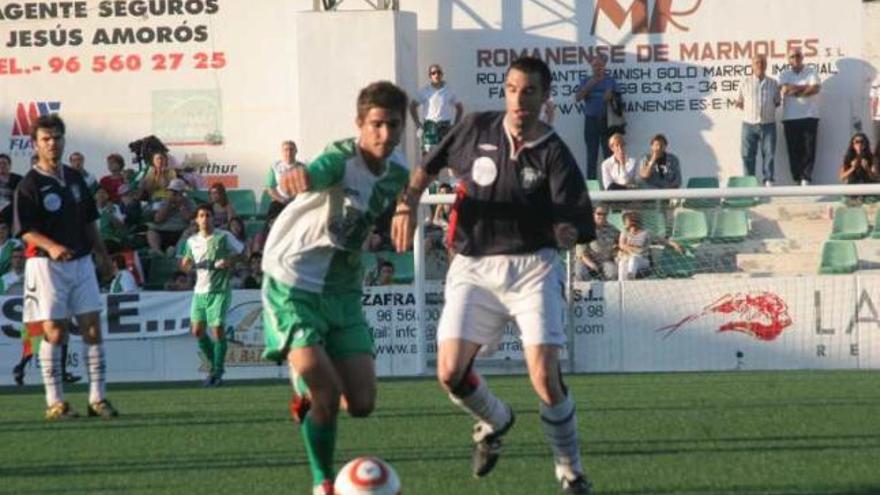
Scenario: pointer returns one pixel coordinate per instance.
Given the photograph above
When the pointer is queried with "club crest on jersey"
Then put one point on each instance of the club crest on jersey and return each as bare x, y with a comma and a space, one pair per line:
530, 178
77, 194
484, 171
52, 202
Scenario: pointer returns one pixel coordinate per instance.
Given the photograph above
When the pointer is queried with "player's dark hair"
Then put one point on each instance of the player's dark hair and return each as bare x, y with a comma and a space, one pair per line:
534, 65
207, 207
382, 94
51, 122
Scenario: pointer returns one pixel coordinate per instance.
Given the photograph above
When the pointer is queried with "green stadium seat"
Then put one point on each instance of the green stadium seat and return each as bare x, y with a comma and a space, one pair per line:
689, 226
702, 183
244, 201
654, 221
199, 196
616, 218
593, 185
741, 181
839, 257
875, 234
265, 202
729, 225
849, 223
253, 227
160, 270
673, 264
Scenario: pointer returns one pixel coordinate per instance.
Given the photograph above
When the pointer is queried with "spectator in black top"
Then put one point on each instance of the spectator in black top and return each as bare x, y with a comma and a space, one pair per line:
55, 215
858, 165
659, 169
520, 197
8, 182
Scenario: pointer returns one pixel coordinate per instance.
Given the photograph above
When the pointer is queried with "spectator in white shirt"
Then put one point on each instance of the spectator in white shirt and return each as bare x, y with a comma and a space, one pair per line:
618, 170
758, 99
800, 116
442, 109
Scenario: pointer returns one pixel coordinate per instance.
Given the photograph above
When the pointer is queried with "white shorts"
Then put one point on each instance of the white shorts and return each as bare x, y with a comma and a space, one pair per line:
57, 290
484, 293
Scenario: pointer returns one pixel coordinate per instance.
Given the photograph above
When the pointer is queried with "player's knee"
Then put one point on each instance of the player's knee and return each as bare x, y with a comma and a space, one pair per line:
361, 408
460, 383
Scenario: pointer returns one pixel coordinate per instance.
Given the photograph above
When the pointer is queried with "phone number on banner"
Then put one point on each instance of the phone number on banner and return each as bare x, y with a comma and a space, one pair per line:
134, 62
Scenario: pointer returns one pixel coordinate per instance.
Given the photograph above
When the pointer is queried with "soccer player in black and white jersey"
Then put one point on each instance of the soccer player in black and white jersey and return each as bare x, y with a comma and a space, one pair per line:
55, 215
520, 197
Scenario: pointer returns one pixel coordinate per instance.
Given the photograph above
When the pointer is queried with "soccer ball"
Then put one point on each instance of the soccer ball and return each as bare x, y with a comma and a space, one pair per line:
367, 476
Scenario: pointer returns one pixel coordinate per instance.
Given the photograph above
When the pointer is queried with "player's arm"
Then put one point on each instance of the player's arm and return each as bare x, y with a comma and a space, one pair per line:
236, 249
26, 222
186, 261
93, 235
322, 173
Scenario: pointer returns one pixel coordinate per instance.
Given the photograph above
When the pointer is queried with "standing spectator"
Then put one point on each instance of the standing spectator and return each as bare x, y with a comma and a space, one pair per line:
440, 102
8, 182
157, 179
288, 161
800, 116
115, 179
78, 162
223, 210
659, 169
597, 257
521, 198
758, 99
618, 170
172, 218
123, 280
596, 93
858, 165
55, 216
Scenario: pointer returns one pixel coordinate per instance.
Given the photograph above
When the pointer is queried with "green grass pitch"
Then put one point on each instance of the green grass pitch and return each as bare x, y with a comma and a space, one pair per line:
804, 432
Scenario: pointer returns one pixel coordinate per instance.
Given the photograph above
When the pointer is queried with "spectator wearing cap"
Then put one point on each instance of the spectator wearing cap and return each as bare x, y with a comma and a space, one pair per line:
172, 217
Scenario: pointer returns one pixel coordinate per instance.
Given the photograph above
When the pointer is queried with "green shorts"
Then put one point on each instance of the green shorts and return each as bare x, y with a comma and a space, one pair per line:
296, 318
210, 308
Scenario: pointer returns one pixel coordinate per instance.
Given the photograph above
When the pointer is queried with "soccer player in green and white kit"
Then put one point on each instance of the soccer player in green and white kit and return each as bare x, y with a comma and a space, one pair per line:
313, 275
212, 253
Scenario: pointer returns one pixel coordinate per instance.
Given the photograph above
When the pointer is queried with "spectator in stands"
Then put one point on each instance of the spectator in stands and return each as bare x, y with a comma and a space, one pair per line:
618, 170
111, 221
758, 99
858, 165
386, 273
440, 218
158, 178
659, 169
112, 181
800, 116
224, 212
172, 218
596, 93
7, 247
279, 197
236, 228
8, 182
596, 260
874, 102
442, 109
78, 162
179, 282
123, 280
11, 278
254, 279
634, 247
257, 242
130, 204
548, 111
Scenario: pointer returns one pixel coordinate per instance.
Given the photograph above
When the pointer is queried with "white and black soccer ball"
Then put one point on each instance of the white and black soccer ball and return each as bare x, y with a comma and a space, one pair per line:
367, 476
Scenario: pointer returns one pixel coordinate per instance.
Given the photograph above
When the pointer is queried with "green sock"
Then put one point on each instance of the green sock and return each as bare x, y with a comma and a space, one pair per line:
207, 348
219, 357
320, 442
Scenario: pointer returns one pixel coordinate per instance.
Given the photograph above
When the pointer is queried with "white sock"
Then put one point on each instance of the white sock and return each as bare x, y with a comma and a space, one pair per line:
50, 366
483, 405
96, 367
560, 429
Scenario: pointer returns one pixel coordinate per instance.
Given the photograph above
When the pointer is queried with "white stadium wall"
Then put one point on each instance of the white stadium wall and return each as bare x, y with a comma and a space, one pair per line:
226, 81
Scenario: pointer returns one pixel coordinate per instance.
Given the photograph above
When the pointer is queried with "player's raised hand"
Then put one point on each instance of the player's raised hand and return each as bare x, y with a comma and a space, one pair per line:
294, 181
402, 227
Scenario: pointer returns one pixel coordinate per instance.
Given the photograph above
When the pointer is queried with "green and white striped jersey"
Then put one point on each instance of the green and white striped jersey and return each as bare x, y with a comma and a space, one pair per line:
315, 243
205, 251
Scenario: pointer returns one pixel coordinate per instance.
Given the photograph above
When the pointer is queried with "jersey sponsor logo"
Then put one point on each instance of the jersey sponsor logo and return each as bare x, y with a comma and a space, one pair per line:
52, 202
530, 178
26, 113
77, 194
484, 171
487, 147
